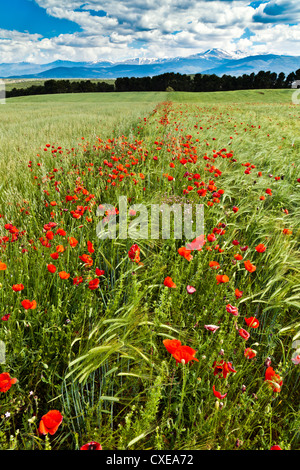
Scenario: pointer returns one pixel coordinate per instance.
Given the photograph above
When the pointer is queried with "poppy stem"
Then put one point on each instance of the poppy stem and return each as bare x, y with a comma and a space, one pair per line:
184, 368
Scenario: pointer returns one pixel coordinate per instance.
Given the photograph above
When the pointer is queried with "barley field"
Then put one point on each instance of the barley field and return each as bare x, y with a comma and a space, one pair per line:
150, 343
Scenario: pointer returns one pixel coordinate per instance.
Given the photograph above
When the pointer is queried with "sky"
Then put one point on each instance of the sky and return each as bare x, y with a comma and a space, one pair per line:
43, 31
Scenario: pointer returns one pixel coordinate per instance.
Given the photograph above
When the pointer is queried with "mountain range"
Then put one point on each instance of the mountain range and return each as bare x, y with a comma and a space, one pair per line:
212, 61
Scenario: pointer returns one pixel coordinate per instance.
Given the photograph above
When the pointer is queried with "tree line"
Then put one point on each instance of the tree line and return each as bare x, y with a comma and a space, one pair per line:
165, 82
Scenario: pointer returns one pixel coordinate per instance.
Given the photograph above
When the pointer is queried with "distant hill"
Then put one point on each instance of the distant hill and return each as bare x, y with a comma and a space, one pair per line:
213, 61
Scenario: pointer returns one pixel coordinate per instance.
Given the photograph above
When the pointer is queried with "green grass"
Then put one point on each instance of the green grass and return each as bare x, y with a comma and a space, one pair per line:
97, 356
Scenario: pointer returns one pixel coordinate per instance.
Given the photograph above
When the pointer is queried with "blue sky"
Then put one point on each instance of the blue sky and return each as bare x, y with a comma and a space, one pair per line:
45, 30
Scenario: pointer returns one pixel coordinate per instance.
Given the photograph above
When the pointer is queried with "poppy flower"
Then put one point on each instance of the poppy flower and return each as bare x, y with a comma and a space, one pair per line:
276, 447
6, 382
212, 328
91, 446
17, 287
214, 265
3, 266
86, 259
5, 317
295, 358
223, 368
99, 272
274, 380
51, 268
50, 422
218, 394
190, 289
235, 209
134, 253
222, 278
90, 247
249, 353
72, 242
168, 282
252, 322
238, 257
244, 334
60, 249
171, 345
28, 304
64, 275
249, 266
260, 248
94, 284
54, 255
238, 293
77, 280
231, 309
185, 253
184, 354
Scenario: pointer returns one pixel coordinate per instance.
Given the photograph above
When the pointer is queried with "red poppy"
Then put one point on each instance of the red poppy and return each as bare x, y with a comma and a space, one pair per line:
184, 354
222, 278
51, 268
214, 265
276, 447
223, 368
91, 446
94, 284
238, 257
218, 394
274, 380
72, 242
134, 253
64, 275
77, 280
17, 287
99, 272
185, 253
249, 353
231, 309
86, 259
244, 334
5, 317
60, 249
28, 304
90, 247
54, 255
252, 322
50, 422
238, 293
6, 382
168, 282
260, 248
250, 267
171, 345
3, 266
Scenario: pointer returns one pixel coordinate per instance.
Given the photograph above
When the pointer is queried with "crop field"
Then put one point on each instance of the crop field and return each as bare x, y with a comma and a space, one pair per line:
137, 342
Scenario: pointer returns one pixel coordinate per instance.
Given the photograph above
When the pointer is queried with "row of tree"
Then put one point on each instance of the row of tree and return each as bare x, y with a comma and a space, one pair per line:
167, 81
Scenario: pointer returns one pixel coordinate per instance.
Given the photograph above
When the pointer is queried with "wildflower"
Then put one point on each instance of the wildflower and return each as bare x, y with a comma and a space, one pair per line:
86, 259
260, 248
235, 209
91, 446
99, 272
5, 317
274, 380
238, 257
90, 247
168, 282
171, 345
185, 253
238, 293
212, 328
3, 266
214, 265
94, 284
77, 280
50, 422
222, 278
72, 242
223, 368
190, 289
218, 394
250, 267
64, 275
231, 309
6, 382
252, 322
244, 334
51, 268
185, 354
249, 353
28, 304
17, 287
276, 447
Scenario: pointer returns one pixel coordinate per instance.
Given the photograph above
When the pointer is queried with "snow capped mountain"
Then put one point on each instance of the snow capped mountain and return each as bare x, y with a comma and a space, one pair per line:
211, 61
